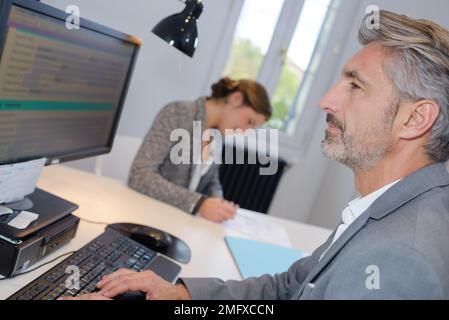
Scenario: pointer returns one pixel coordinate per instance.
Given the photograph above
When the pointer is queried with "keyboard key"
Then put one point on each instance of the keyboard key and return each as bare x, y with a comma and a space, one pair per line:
130, 262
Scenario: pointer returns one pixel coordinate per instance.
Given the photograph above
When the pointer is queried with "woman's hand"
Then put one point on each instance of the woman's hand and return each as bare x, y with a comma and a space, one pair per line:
124, 280
217, 209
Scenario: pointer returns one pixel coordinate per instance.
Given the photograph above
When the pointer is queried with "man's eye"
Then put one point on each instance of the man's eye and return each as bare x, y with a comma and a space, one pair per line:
354, 85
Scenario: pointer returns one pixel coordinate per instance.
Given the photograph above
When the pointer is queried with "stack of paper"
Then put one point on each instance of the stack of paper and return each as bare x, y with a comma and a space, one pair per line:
245, 225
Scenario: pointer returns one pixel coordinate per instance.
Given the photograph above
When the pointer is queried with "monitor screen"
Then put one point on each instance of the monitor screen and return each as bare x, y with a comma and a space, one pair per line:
61, 89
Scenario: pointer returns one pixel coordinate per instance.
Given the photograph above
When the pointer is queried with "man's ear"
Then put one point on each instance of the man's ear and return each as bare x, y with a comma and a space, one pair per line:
420, 119
235, 99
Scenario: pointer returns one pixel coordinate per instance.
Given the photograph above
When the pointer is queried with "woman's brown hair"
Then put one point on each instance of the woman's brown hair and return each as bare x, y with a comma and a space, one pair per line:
254, 94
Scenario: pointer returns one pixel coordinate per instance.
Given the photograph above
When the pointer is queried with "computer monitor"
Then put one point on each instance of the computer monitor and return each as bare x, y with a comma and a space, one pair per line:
61, 90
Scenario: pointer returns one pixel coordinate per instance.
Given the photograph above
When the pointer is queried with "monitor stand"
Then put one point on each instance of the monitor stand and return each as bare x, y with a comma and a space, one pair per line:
23, 177
24, 204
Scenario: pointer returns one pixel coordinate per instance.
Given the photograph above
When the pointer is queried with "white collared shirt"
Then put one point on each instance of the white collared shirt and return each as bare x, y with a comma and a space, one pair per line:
355, 208
201, 169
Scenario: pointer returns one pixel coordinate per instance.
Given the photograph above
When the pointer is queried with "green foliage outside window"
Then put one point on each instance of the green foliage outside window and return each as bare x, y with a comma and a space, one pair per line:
245, 62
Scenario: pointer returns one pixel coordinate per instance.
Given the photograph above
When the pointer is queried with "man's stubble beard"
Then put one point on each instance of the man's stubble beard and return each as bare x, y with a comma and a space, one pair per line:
359, 152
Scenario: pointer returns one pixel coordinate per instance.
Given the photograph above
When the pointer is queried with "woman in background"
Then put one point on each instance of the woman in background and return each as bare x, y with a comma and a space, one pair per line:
196, 188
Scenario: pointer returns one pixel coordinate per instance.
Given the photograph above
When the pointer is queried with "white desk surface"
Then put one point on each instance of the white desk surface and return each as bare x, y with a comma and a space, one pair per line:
108, 200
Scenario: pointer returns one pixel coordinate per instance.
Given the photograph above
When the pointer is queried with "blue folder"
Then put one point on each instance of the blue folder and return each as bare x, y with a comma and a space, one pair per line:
254, 258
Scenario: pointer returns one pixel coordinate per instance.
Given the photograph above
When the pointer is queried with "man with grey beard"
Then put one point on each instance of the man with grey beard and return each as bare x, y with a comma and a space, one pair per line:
388, 120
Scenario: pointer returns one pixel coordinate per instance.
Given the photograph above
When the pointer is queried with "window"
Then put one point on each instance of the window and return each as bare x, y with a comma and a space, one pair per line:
282, 51
252, 38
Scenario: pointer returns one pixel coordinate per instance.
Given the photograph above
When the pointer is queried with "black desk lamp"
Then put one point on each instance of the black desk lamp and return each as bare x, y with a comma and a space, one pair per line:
179, 30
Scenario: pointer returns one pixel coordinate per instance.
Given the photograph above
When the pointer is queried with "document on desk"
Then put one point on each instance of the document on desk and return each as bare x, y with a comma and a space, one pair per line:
245, 225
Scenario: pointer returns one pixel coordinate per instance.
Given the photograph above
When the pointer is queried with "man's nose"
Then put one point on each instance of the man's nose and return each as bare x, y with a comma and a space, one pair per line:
330, 102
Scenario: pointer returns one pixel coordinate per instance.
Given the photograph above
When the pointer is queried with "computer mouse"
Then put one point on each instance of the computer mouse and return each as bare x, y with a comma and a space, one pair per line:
155, 239
152, 238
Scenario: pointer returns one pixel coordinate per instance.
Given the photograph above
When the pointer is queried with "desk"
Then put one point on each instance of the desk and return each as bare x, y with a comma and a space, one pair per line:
107, 200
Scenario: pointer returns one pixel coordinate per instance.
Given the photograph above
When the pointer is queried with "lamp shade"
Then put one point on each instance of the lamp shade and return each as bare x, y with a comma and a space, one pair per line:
180, 30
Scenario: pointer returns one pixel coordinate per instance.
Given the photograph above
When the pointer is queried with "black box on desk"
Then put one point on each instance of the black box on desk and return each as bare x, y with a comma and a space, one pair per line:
55, 227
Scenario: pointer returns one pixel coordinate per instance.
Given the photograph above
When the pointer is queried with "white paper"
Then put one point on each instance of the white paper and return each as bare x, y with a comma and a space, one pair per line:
19, 179
23, 219
247, 226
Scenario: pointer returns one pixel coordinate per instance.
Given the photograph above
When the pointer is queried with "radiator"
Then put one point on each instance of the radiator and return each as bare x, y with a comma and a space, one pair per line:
243, 184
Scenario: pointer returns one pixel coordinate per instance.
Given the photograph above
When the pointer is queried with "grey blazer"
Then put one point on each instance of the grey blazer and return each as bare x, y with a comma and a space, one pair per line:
402, 239
155, 175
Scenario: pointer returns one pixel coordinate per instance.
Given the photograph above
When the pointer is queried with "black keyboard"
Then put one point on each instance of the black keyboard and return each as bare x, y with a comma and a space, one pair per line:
105, 254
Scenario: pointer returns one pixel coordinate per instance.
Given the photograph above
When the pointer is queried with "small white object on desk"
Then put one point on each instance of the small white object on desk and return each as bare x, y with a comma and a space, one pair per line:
23, 219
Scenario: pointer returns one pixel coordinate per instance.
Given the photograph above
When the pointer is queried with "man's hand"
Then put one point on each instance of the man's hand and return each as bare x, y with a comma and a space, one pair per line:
155, 287
217, 210
124, 280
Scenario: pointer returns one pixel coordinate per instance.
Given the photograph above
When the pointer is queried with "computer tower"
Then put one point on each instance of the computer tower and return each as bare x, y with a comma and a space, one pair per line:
16, 257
